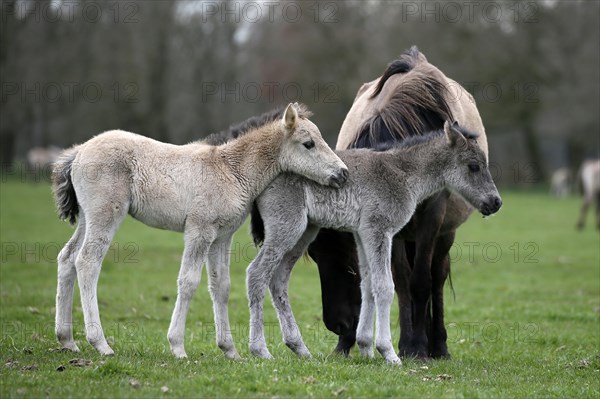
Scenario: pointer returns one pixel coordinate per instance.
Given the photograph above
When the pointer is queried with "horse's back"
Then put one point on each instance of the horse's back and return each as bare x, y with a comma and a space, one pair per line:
366, 106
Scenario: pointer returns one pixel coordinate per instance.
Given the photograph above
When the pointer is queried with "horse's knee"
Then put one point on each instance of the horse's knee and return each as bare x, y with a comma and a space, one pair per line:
188, 284
383, 291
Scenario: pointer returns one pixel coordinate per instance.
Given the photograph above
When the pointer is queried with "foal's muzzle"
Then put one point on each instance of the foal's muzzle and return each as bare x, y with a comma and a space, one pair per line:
491, 206
337, 180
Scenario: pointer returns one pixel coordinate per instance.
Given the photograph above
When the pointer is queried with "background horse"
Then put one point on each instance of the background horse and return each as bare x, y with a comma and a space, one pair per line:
411, 97
379, 198
204, 191
589, 179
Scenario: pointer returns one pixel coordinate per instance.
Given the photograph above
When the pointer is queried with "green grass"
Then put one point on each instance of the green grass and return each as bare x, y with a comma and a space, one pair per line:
525, 321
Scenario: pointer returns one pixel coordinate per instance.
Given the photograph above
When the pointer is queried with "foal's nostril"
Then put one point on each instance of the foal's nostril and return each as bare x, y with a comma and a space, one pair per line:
343, 176
338, 179
497, 203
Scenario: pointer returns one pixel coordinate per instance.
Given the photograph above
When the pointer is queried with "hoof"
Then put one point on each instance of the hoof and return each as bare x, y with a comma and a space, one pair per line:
395, 361
179, 353
233, 355
70, 346
262, 353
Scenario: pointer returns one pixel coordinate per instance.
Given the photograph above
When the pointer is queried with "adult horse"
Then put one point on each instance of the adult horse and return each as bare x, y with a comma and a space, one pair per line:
412, 96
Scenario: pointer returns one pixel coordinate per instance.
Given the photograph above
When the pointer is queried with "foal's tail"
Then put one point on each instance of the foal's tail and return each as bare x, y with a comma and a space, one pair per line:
257, 227
62, 186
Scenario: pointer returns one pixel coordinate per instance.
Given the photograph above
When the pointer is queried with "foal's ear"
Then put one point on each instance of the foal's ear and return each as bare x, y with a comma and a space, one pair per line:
290, 117
454, 136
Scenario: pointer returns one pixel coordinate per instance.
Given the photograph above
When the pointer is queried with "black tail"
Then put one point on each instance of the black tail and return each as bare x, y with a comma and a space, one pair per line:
62, 186
257, 227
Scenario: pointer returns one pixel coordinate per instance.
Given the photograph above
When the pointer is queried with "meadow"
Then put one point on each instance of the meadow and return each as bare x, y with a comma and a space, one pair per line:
523, 320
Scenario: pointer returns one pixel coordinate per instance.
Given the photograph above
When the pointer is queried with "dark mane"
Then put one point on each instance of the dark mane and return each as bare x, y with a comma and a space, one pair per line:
417, 106
252, 123
403, 64
427, 137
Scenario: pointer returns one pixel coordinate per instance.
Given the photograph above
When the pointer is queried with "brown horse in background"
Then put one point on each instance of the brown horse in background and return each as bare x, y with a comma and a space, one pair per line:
412, 96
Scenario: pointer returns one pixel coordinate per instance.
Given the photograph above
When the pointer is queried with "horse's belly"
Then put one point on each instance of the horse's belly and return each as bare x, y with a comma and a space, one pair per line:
166, 218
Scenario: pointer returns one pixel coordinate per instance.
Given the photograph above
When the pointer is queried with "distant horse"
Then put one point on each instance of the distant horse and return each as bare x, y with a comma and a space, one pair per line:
204, 191
560, 184
589, 176
382, 192
40, 160
411, 97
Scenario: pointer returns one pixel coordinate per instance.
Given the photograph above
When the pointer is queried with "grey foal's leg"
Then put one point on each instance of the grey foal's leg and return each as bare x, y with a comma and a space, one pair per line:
279, 293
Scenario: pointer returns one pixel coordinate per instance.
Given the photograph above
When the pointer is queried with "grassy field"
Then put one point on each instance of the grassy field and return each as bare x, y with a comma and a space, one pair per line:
525, 321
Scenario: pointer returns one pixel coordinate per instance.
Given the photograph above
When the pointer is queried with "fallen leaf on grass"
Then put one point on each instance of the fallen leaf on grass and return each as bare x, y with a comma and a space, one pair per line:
61, 349
28, 351
309, 380
80, 362
442, 377
33, 310
21, 391
31, 367
135, 384
11, 364
61, 368
339, 391
164, 389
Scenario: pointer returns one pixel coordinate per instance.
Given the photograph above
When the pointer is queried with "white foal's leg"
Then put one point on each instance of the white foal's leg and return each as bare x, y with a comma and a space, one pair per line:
99, 231
218, 285
279, 293
197, 244
66, 283
378, 247
364, 330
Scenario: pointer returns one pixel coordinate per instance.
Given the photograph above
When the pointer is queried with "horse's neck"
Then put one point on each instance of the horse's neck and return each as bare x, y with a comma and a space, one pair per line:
254, 158
425, 170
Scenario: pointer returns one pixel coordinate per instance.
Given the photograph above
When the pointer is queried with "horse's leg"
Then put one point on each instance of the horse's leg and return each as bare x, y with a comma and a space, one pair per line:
440, 269
583, 213
279, 293
218, 285
429, 223
401, 269
197, 243
101, 225
377, 248
336, 258
277, 243
598, 210
66, 283
364, 330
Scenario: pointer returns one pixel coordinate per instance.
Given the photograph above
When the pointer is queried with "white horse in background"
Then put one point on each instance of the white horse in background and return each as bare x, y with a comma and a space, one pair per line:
201, 190
561, 182
589, 177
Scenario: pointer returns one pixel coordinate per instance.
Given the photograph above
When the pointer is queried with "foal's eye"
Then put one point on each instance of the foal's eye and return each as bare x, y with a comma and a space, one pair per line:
308, 144
473, 167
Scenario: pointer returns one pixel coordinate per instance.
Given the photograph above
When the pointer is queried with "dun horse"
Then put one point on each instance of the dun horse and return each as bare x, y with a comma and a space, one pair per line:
410, 98
382, 192
589, 176
202, 190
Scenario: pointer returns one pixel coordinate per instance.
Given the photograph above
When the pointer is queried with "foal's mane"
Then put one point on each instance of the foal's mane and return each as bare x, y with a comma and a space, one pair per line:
423, 138
251, 124
418, 103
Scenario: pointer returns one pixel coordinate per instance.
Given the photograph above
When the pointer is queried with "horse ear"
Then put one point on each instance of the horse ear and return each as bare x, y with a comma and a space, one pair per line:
290, 117
453, 135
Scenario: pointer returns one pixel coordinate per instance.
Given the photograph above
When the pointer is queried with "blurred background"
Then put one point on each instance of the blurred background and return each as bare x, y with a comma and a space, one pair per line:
180, 70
